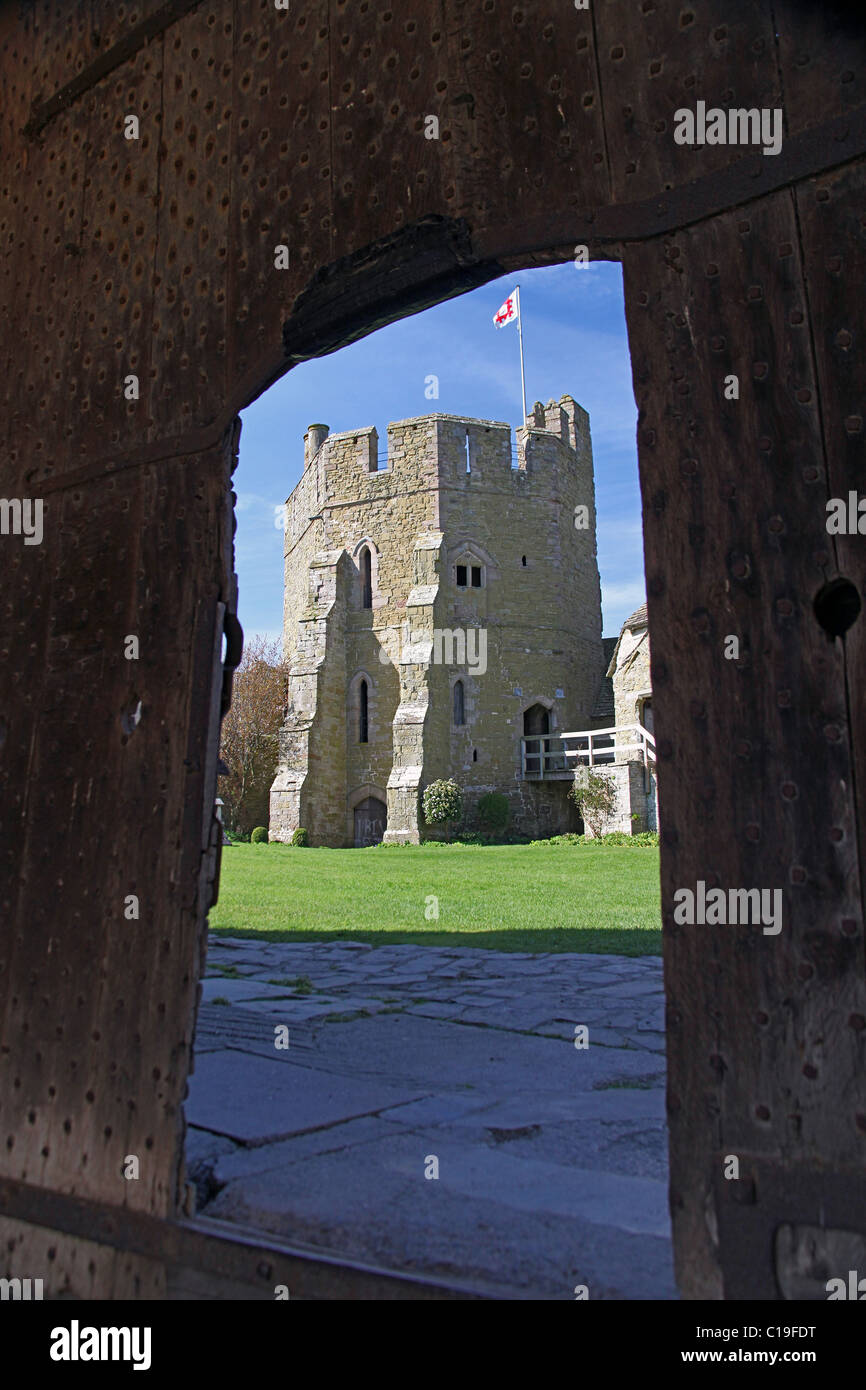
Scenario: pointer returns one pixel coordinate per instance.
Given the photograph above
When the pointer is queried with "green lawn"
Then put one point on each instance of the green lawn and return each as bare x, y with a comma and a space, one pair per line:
506, 897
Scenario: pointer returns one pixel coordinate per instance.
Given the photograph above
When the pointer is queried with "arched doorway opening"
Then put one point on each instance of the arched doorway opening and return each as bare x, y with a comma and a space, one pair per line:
536, 723
370, 820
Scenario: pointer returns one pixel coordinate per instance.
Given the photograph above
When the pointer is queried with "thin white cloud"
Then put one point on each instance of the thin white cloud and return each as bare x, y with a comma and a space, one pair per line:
616, 595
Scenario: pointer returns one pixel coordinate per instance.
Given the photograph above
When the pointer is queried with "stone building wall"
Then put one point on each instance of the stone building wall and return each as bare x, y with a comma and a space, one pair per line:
629, 673
308, 789
531, 633
630, 669
636, 806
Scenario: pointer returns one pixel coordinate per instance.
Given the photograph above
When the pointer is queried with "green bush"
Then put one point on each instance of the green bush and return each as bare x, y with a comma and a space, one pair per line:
301, 838
569, 838
645, 839
259, 836
443, 804
493, 812
622, 837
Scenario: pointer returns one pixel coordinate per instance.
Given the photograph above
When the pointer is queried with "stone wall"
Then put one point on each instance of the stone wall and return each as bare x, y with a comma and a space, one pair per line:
629, 670
635, 796
631, 678
308, 789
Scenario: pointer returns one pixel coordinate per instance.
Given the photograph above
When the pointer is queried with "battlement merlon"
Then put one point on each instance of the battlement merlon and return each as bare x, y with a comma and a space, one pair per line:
564, 418
426, 449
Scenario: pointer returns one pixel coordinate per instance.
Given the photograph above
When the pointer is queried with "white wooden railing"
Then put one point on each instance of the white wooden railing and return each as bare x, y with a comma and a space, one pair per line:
545, 755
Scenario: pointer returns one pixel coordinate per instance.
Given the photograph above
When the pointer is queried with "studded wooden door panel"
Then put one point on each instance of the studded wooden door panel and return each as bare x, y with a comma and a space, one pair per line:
765, 1031
194, 196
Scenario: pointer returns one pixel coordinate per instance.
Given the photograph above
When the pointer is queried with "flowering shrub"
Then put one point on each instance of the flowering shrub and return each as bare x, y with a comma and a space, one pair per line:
442, 803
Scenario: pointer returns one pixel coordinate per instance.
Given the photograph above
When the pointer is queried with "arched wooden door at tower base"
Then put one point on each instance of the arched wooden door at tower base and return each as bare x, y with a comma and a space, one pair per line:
277, 196
371, 820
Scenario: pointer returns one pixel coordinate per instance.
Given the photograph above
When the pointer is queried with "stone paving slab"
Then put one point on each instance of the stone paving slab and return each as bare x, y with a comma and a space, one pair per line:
254, 1099
242, 1163
282, 1008
610, 1104
241, 1027
483, 1222
635, 1146
239, 991
436, 1110
433, 1010
630, 989
635, 1205
553, 1159
418, 1050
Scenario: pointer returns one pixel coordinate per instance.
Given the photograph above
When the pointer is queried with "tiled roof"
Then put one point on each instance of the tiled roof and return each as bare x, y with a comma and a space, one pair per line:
638, 618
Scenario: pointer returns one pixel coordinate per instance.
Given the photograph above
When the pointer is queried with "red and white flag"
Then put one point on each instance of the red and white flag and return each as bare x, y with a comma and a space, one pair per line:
508, 311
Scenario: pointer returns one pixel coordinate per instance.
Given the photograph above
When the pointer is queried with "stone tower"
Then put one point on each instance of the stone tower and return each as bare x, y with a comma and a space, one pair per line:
438, 609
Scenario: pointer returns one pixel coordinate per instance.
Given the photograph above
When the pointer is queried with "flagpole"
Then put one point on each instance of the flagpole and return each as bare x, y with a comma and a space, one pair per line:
522, 371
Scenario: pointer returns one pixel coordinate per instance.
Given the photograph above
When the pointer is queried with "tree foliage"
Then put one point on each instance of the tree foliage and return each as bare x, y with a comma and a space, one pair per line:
249, 741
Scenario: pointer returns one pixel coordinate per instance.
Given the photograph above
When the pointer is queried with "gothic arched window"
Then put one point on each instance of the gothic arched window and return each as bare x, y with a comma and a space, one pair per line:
366, 578
363, 712
459, 704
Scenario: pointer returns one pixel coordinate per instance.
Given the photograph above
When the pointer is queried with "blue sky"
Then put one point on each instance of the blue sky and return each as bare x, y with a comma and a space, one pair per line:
574, 341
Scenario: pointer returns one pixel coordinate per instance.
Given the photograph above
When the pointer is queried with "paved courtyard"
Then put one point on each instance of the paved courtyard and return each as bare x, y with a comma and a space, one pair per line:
552, 1160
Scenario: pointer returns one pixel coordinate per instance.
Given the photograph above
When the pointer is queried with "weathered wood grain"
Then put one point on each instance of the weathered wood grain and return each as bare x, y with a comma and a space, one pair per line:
756, 778
156, 257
